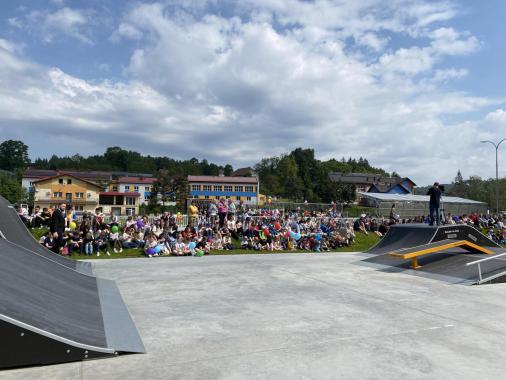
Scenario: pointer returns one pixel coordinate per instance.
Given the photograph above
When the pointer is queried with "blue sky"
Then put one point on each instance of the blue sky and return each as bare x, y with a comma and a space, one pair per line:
412, 85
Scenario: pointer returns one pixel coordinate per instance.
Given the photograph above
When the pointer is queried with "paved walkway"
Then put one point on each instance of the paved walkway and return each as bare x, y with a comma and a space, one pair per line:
296, 316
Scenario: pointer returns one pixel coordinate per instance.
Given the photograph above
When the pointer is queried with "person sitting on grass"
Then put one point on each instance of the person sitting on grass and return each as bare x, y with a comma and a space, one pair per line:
47, 240
114, 239
217, 242
102, 242
179, 247
128, 240
88, 241
227, 241
150, 245
245, 243
276, 243
73, 242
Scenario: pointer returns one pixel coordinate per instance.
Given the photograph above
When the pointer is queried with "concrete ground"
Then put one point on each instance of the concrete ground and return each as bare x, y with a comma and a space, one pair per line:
296, 316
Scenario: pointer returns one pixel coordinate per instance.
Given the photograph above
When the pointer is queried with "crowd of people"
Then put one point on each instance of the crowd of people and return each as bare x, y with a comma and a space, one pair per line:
221, 225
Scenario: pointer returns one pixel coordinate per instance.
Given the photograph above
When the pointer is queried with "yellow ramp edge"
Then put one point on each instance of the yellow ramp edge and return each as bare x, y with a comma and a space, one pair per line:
424, 251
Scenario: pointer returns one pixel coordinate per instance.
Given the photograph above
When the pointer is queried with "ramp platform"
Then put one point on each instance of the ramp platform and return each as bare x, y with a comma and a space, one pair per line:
13, 229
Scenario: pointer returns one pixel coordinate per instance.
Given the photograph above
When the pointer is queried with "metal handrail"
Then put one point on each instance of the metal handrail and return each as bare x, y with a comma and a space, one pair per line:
486, 259
478, 262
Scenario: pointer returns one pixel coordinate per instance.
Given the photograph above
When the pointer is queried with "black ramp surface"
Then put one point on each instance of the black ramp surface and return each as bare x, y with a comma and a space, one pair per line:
404, 236
63, 304
463, 232
15, 231
449, 266
50, 297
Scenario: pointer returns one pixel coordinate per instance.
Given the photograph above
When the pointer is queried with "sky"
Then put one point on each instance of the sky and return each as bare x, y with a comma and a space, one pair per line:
412, 85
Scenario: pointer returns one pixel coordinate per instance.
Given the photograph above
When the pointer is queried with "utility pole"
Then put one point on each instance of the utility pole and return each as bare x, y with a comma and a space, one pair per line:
496, 146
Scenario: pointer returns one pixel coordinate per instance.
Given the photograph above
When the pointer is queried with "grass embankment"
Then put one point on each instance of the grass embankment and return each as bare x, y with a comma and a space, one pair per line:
362, 243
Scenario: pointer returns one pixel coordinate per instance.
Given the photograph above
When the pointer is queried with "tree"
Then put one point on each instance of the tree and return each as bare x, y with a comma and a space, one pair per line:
459, 188
228, 170
13, 155
10, 188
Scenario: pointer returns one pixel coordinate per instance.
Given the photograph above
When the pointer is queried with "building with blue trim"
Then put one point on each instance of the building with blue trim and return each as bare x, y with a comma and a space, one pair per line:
206, 188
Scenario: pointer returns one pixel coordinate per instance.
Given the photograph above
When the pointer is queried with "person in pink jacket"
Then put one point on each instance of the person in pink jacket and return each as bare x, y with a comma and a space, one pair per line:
222, 211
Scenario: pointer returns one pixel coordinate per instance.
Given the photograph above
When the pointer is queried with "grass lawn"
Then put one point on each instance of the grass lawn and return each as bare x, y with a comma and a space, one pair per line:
362, 243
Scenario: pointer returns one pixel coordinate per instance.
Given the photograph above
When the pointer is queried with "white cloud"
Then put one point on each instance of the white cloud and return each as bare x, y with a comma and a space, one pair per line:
276, 75
497, 116
65, 21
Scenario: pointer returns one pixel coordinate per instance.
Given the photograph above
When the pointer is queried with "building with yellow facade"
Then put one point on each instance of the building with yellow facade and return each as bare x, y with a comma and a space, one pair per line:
83, 195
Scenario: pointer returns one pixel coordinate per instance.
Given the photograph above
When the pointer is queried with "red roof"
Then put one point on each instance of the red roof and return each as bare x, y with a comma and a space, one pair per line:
218, 179
119, 193
141, 180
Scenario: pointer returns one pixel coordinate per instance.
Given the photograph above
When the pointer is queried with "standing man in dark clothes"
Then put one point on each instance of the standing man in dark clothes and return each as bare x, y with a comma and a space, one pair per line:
57, 227
434, 203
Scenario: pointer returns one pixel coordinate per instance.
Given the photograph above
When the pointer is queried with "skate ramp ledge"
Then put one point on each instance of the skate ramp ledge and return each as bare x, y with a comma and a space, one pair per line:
414, 253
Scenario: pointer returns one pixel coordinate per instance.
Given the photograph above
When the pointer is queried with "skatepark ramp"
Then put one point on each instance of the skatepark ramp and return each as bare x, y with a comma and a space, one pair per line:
51, 313
441, 253
401, 236
14, 230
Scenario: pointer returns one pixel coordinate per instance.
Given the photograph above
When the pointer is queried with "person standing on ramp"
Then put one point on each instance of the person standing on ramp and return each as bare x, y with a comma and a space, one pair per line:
434, 203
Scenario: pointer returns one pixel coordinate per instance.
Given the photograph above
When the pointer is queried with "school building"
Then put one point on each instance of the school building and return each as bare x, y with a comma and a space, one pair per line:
206, 188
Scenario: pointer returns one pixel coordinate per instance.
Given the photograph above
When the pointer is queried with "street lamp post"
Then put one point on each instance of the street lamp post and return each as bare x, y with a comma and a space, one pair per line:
496, 146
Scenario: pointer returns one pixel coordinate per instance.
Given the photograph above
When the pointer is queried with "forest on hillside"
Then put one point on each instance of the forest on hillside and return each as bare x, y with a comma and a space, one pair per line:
297, 175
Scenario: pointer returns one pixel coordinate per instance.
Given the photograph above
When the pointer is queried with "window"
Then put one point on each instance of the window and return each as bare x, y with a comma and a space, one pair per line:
115, 188
228, 188
238, 198
207, 187
69, 181
60, 181
57, 194
228, 197
130, 211
136, 189
249, 189
79, 195
206, 197
218, 188
146, 198
248, 198
238, 188
195, 187
146, 188
130, 201
79, 208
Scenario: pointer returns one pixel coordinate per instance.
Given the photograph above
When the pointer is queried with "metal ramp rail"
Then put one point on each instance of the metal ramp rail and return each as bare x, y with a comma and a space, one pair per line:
482, 280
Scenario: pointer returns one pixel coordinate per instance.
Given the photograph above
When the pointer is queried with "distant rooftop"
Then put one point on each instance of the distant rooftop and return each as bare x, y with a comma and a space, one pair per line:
220, 179
417, 198
366, 178
92, 174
